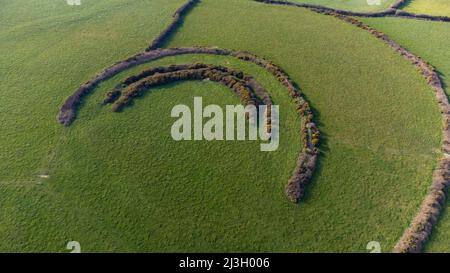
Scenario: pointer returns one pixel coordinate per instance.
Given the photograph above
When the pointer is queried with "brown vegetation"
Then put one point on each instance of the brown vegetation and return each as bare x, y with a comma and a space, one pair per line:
176, 21
393, 10
236, 80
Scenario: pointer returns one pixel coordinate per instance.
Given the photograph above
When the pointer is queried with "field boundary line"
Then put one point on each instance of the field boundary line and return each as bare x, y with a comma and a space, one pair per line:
393, 11
177, 20
249, 90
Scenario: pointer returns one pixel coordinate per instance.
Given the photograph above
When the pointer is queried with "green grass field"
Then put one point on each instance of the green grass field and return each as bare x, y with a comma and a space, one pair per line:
431, 7
48, 50
427, 40
352, 5
377, 157
118, 182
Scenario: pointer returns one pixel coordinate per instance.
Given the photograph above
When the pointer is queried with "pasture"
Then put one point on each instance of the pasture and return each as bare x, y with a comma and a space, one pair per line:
119, 182
427, 40
431, 7
352, 5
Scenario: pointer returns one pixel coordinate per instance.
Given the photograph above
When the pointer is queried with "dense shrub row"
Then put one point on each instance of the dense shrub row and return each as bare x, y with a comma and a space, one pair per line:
306, 163
162, 69
320, 8
258, 91
113, 95
234, 79
402, 13
307, 157
304, 170
393, 10
176, 21
67, 113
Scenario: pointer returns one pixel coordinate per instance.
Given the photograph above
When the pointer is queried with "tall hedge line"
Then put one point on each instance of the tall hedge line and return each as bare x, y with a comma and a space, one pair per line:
234, 79
258, 91
176, 21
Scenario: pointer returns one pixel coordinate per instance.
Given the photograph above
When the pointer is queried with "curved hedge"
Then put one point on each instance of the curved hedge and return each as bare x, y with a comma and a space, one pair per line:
327, 9
393, 10
259, 91
234, 79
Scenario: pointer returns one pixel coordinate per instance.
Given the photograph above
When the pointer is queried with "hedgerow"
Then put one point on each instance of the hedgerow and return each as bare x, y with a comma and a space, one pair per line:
393, 10
176, 21
233, 79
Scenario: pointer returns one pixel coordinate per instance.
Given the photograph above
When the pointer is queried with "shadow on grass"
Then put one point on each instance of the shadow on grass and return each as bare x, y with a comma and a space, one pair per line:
405, 4
442, 77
